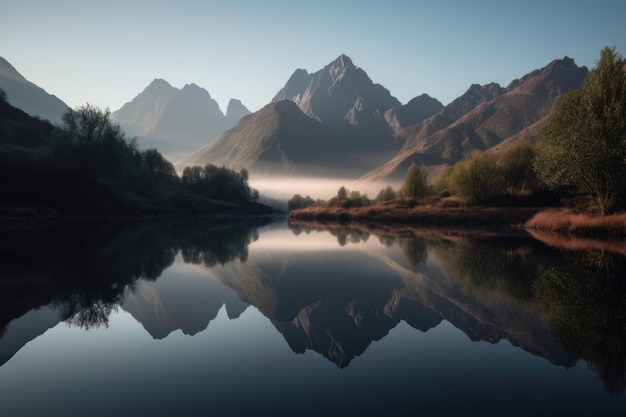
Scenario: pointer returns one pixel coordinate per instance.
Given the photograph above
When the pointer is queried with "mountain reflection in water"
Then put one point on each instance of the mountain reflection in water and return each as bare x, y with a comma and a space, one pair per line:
329, 289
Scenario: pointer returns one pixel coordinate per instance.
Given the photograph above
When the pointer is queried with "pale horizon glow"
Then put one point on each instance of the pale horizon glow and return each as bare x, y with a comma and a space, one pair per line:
106, 53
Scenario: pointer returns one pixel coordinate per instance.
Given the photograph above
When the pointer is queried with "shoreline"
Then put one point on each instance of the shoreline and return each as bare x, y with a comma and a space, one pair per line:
543, 219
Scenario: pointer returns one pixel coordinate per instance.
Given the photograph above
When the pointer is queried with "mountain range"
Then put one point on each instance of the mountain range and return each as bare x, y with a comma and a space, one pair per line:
343, 124
335, 122
176, 121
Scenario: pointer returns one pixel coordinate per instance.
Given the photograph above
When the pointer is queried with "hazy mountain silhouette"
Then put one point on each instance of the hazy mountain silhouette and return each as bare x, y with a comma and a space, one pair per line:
29, 97
485, 117
176, 121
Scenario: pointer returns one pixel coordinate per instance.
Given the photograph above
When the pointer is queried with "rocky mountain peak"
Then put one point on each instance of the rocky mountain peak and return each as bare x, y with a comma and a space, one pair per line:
339, 95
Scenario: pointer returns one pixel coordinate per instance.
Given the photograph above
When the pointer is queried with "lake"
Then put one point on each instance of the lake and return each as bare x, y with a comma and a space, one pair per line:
270, 318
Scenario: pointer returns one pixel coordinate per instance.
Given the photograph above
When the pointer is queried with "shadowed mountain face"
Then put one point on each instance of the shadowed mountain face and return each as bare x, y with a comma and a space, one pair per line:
27, 96
176, 121
485, 117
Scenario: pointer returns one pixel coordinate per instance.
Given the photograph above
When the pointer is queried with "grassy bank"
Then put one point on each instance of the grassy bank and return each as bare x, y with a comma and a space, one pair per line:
403, 213
530, 218
566, 222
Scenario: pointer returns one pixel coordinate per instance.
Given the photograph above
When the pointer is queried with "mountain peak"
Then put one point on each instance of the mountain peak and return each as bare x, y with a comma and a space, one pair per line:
235, 111
343, 61
339, 95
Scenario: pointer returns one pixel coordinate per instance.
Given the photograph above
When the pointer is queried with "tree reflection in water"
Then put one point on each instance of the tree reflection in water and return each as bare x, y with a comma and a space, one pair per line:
586, 307
83, 268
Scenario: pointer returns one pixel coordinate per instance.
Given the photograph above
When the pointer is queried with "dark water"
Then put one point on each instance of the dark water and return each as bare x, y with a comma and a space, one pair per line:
275, 319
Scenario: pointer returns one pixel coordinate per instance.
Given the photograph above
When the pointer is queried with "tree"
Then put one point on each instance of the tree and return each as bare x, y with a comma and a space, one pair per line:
342, 193
90, 142
415, 184
159, 167
584, 143
3, 95
386, 194
298, 202
477, 178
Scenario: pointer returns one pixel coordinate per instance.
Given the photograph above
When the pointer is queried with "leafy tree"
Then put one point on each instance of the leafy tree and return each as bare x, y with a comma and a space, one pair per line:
584, 143
386, 194
297, 202
88, 141
157, 165
342, 193
477, 178
219, 183
415, 184
515, 166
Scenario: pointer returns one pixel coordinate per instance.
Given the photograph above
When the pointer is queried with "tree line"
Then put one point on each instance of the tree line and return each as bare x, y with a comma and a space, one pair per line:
86, 158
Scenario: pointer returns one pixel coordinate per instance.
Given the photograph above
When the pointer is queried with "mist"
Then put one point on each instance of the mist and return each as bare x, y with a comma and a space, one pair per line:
284, 188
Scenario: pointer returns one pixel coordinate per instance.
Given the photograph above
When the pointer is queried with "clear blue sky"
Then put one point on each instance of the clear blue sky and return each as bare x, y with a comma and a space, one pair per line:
107, 52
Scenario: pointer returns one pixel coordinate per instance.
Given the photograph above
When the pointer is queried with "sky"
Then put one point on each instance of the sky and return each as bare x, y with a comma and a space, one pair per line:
106, 52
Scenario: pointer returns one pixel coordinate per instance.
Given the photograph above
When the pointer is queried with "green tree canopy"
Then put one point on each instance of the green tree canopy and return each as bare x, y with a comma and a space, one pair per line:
415, 185
584, 143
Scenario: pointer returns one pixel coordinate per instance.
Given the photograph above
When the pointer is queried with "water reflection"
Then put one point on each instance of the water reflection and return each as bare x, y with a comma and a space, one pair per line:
334, 297
83, 270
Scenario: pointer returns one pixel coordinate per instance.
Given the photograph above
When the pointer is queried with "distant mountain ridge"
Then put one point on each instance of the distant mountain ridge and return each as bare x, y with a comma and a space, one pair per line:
29, 97
176, 121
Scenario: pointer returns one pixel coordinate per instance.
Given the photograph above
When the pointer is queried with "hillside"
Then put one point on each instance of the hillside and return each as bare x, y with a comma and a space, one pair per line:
278, 139
27, 96
485, 117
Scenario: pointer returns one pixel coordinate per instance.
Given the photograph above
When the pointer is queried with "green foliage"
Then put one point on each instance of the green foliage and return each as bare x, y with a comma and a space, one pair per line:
219, 183
584, 143
349, 199
476, 178
489, 178
585, 304
415, 183
515, 169
298, 202
386, 194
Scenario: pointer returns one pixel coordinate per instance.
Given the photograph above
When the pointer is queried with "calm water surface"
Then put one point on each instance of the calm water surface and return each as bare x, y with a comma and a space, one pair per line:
276, 319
